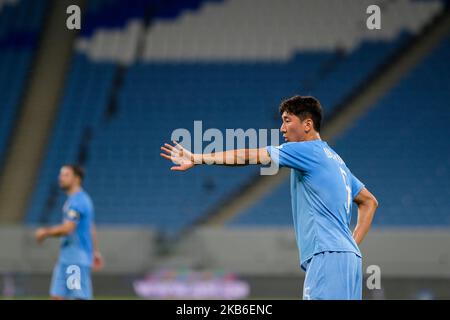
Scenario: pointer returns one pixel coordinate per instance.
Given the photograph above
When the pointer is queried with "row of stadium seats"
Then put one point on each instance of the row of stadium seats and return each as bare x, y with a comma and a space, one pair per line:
20, 23
400, 150
276, 29
243, 30
111, 14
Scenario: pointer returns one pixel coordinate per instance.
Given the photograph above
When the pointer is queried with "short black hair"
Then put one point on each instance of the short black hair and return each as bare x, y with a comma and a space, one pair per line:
77, 169
304, 107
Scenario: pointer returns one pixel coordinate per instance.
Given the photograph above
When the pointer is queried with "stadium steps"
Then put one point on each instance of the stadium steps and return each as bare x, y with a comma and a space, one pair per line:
352, 108
39, 107
20, 27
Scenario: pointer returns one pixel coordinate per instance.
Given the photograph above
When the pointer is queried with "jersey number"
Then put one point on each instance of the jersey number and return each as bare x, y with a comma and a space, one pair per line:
349, 190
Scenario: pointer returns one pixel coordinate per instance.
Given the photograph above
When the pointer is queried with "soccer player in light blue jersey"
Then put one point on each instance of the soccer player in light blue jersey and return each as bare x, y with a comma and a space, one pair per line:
322, 192
79, 249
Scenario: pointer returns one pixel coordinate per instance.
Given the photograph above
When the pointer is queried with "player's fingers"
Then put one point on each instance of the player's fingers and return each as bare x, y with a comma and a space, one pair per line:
167, 151
168, 146
165, 156
173, 153
176, 168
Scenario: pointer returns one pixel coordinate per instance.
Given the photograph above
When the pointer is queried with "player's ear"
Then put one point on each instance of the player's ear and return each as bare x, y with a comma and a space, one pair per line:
308, 125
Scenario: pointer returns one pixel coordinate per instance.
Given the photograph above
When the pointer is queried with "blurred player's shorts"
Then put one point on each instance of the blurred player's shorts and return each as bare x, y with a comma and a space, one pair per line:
71, 282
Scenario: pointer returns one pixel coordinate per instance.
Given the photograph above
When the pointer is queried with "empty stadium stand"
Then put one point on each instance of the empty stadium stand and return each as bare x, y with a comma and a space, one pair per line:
138, 74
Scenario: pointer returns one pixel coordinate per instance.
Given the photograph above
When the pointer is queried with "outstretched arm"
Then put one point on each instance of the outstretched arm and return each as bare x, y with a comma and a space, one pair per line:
367, 205
56, 231
185, 160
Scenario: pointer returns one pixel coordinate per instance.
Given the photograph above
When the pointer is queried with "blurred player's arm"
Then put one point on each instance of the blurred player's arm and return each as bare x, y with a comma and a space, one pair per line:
367, 205
56, 231
185, 160
98, 261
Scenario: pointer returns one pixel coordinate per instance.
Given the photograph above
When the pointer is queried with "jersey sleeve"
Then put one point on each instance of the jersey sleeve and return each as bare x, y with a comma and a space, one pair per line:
294, 155
74, 211
357, 185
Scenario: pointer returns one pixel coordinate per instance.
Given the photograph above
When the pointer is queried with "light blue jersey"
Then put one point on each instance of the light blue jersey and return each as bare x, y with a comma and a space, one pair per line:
72, 274
322, 192
77, 248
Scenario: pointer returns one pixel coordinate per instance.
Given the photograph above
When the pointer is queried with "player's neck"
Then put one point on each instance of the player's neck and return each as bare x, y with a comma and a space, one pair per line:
312, 136
73, 190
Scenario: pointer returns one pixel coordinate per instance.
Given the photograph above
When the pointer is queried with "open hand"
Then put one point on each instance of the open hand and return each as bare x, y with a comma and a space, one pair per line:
183, 158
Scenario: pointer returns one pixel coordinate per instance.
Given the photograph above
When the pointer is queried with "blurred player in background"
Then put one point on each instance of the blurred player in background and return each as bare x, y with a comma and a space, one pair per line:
322, 192
79, 248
